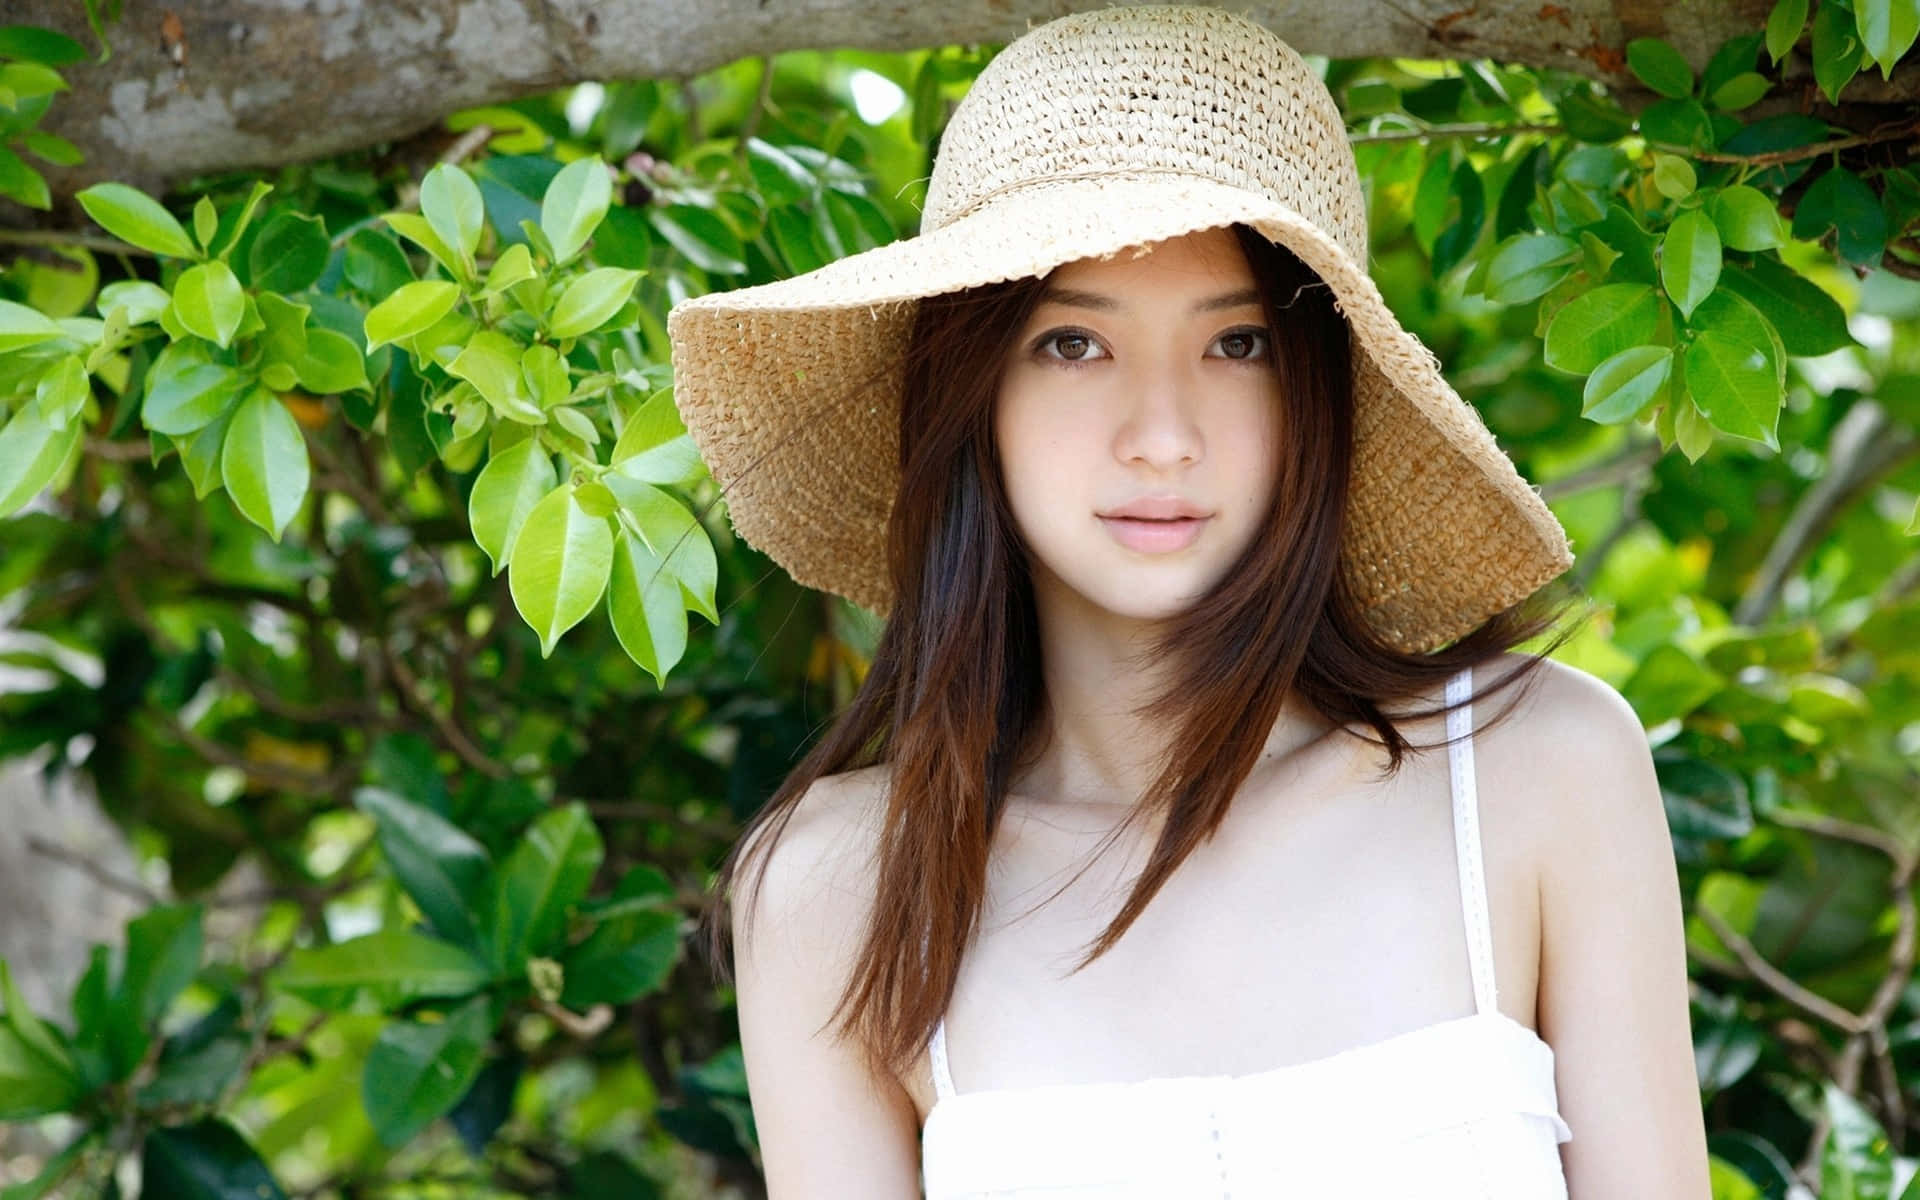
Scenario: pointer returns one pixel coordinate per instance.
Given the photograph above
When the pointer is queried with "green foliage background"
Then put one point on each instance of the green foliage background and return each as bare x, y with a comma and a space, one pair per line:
347, 528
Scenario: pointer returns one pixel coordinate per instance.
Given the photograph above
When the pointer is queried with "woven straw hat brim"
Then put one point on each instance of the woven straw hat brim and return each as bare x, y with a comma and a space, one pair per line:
791, 392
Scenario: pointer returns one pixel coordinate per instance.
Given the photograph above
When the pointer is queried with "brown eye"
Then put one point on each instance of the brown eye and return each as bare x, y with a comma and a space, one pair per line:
1241, 344
1071, 348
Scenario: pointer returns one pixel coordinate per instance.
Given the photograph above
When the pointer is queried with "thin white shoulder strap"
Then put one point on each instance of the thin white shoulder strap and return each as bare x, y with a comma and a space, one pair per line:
937, 1049
1466, 843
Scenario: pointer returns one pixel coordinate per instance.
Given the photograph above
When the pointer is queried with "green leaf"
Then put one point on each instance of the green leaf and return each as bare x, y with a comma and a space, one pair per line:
235, 222
1837, 49
508, 487
35, 1063
35, 44
411, 310
1660, 67
447, 873
63, 392
559, 565
22, 182
1840, 200
547, 378
1734, 386
390, 968
1726, 313
332, 364
643, 602
415, 229
1747, 219
591, 301
209, 302
187, 390
32, 454
515, 265
30, 1085
1690, 259
622, 960
30, 80
21, 326
417, 1071
206, 222
1625, 384
783, 179
376, 264
702, 237
1740, 92
1452, 243
1810, 321
264, 462
1692, 432
163, 954
1673, 176
654, 447
1856, 1163
574, 205
1599, 324
1677, 123
673, 535
1525, 267
548, 872
290, 252
53, 149
491, 363
207, 1160
1592, 117
1784, 26
142, 301
1669, 683
136, 219
1887, 29
200, 455
451, 202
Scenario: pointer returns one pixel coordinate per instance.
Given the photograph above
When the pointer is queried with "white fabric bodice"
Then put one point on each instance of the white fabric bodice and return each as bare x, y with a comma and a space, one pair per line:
1464, 1109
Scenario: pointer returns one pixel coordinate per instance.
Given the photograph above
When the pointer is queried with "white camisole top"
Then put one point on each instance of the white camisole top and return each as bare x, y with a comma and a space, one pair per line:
1464, 1109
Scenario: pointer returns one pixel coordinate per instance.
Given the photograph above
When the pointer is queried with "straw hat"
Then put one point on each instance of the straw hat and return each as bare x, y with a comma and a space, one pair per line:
1088, 135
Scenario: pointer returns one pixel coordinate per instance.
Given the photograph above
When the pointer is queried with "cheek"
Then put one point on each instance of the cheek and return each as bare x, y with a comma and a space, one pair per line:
1034, 439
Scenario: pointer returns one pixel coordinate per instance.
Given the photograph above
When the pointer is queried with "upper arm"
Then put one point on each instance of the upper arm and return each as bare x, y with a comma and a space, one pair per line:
1613, 969
827, 1127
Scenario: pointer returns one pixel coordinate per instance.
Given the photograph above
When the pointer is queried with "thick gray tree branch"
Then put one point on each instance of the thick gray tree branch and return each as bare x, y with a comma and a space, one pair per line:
202, 85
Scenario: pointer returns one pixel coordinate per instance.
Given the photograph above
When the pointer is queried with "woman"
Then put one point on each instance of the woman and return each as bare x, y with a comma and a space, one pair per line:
1159, 854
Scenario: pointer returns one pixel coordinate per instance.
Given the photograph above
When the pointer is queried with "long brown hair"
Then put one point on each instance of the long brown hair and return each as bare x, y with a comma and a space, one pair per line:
954, 696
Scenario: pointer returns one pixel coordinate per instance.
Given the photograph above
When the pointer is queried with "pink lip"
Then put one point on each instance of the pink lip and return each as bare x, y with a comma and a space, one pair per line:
1155, 524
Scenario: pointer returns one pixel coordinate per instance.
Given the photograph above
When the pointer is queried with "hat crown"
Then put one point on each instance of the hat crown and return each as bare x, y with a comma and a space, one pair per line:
1150, 90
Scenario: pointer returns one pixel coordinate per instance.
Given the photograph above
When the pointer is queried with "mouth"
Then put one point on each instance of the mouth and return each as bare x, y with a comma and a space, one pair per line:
1153, 534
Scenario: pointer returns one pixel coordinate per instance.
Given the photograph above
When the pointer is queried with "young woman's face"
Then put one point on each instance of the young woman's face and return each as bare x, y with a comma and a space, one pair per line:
1137, 420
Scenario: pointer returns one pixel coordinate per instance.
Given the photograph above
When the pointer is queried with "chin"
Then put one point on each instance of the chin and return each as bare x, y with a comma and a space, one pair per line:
1135, 599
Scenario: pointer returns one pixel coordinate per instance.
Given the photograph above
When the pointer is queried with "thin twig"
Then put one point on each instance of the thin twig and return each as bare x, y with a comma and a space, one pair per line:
93, 870
1864, 445
1632, 462
1478, 129
1782, 984
61, 237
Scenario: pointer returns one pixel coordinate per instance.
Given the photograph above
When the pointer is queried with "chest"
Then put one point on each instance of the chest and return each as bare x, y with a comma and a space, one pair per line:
1325, 914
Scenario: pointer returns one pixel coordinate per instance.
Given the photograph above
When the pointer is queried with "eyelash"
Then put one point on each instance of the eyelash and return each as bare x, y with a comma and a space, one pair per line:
1048, 338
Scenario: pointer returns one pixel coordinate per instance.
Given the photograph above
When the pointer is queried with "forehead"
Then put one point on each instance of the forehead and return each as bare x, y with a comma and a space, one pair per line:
1204, 260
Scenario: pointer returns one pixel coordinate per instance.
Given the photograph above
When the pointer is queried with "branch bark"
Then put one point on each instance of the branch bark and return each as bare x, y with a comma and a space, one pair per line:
208, 85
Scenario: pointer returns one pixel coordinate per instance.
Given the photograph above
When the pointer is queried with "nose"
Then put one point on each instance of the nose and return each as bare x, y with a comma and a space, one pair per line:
1160, 429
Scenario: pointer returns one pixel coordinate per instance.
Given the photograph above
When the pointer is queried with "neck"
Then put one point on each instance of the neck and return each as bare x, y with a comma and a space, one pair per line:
1099, 751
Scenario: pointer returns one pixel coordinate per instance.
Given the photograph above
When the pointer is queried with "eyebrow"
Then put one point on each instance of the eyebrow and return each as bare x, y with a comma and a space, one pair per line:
1076, 298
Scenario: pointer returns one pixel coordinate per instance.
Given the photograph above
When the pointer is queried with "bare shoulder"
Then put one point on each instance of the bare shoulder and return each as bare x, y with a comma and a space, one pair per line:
819, 861
828, 1125
1569, 763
